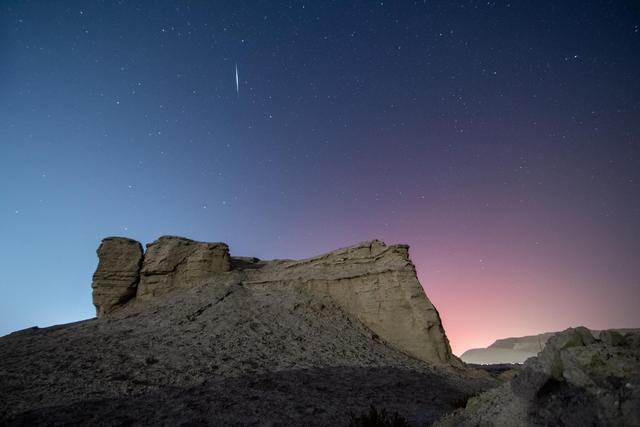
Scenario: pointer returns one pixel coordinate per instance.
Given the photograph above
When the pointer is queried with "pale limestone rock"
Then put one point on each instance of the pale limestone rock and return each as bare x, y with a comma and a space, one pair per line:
175, 262
116, 277
375, 284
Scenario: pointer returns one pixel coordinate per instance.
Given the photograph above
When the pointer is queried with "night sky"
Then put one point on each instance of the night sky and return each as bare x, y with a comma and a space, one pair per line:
500, 140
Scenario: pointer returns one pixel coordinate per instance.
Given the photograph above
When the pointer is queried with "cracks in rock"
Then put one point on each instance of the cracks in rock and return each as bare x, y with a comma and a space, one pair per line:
193, 316
229, 292
173, 269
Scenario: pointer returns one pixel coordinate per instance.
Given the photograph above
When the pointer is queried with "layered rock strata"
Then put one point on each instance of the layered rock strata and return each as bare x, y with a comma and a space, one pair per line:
373, 283
376, 284
115, 280
175, 262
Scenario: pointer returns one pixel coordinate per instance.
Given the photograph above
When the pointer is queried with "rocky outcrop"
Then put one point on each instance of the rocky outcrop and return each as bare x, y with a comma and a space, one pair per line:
576, 380
175, 262
373, 283
219, 340
116, 278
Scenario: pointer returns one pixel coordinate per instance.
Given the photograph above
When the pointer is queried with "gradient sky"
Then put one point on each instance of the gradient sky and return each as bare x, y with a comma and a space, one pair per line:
501, 140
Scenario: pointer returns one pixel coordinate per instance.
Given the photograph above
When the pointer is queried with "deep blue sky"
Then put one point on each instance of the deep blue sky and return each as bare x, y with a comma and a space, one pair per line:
501, 140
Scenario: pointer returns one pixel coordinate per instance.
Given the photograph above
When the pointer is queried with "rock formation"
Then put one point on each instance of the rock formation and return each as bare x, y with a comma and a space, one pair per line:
188, 335
210, 339
373, 283
175, 262
576, 380
116, 278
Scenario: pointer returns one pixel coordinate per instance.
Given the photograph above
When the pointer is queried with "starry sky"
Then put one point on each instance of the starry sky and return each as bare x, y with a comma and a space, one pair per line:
500, 140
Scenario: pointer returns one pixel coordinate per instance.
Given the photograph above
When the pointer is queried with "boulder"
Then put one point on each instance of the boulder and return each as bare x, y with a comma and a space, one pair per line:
576, 380
175, 262
116, 277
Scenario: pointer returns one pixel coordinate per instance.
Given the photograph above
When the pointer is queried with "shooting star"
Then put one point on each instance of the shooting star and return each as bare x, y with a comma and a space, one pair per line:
237, 82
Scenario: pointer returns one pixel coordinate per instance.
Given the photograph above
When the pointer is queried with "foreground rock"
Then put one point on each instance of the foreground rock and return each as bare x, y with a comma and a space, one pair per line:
576, 380
222, 340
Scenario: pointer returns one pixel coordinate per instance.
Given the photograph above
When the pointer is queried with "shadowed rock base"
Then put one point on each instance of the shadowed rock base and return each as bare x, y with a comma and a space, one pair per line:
310, 397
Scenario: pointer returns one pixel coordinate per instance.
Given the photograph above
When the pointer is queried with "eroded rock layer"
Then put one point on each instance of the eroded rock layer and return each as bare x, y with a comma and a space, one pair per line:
175, 262
577, 380
116, 278
373, 283
377, 285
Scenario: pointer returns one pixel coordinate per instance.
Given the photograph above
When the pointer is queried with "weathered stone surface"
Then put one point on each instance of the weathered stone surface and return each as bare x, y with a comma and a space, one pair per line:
116, 277
175, 262
375, 284
576, 380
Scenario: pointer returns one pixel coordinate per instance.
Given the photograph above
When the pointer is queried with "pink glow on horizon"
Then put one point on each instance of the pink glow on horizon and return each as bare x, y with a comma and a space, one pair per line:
502, 294
505, 272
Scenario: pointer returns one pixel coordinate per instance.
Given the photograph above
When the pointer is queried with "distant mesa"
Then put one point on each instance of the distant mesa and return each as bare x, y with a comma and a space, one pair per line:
188, 334
516, 349
372, 282
508, 350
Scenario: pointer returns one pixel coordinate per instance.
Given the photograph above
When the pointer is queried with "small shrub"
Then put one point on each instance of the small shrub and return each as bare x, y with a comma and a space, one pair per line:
377, 418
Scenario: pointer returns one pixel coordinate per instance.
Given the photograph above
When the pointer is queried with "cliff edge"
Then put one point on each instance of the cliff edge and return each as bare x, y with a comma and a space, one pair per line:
372, 282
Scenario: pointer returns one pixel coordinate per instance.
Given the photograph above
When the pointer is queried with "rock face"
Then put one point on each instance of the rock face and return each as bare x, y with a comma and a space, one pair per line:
373, 283
116, 278
576, 380
175, 262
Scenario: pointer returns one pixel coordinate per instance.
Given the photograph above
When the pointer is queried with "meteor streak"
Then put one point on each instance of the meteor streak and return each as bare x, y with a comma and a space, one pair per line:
237, 82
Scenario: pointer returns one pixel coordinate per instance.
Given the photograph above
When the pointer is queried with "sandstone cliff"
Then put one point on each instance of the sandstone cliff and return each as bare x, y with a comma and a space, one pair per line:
116, 278
373, 283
